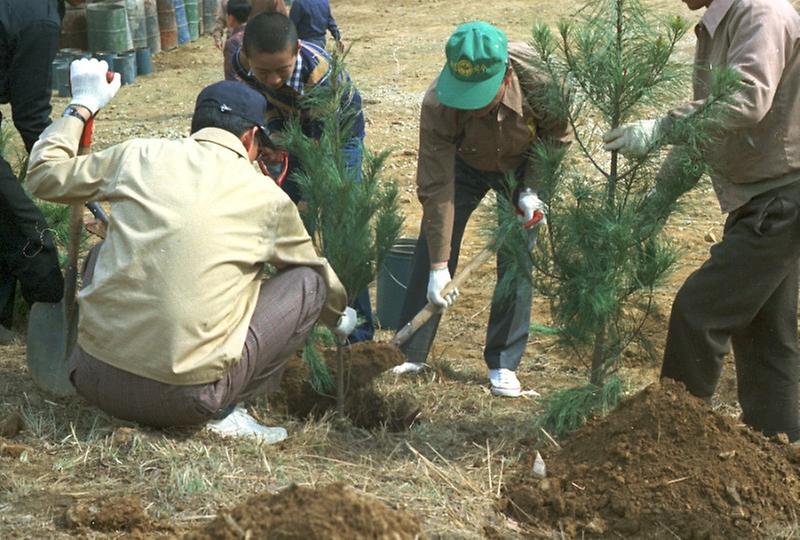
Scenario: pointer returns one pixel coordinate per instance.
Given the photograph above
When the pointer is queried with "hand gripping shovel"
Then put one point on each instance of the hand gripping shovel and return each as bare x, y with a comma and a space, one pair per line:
52, 328
405, 333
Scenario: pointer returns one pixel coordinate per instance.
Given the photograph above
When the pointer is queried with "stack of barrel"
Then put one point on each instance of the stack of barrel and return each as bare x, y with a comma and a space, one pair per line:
126, 33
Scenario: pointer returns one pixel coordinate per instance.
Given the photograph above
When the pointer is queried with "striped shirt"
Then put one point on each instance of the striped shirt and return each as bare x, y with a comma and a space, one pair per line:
312, 68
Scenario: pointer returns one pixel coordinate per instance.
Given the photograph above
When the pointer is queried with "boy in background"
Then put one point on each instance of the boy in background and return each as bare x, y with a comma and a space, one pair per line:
237, 13
313, 19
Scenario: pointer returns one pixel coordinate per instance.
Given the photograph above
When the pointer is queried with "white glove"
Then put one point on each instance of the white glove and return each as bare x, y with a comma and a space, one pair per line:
346, 324
90, 88
437, 280
529, 203
634, 139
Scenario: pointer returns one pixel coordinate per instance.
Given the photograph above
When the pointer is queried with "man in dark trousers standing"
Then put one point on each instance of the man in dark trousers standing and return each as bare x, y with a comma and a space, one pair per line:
745, 294
478, 123
28, 43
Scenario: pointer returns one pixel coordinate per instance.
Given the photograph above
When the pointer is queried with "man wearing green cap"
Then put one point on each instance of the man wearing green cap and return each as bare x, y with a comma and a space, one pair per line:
478, 122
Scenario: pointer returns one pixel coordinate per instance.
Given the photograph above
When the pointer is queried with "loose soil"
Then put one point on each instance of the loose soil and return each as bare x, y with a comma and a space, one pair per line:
664, 464
332, 511
364, 405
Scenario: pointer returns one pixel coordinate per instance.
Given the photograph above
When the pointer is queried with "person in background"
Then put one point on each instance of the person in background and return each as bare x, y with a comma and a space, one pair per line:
28, 44
178, 321
745, 295
478, 123
313, 19
220, 31
284, 69
238, 12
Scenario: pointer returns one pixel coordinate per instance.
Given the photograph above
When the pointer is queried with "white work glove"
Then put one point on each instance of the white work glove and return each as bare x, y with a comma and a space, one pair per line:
437, 280
90, 88
346, 324
632, 140
529, 203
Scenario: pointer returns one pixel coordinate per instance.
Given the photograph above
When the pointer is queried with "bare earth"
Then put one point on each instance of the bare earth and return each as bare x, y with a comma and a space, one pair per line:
74, 470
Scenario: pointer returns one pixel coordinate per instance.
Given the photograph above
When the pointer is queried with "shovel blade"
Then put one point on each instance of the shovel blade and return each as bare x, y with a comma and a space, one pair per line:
47, 349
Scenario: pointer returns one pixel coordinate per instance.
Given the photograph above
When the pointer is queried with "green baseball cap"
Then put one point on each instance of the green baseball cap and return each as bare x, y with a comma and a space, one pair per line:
477, 58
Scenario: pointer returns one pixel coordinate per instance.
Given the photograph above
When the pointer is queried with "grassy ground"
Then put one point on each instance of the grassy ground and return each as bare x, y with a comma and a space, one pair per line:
450, 467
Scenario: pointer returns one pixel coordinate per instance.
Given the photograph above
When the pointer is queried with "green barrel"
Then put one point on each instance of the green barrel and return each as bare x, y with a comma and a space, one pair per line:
107, 26
136, 22
393, 279
209, 14
151, 24
193, 18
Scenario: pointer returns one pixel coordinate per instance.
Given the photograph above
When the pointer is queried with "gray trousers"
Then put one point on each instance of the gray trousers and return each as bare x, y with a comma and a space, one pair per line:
745, 295
288, 306
509, 321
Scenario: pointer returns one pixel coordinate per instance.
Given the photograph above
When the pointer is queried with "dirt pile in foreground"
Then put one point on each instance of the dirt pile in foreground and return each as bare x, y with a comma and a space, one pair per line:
663, 465
332, 511
365, 406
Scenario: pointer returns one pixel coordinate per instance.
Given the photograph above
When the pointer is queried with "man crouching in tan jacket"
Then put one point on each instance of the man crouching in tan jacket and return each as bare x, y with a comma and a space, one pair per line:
177, 323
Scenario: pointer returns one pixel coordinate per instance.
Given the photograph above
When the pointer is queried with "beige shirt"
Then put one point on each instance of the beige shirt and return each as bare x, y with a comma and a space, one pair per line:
760, 148
192, 224
497, 142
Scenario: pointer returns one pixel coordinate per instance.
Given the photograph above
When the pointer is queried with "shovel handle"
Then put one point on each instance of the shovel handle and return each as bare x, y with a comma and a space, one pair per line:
74, 240
405, 333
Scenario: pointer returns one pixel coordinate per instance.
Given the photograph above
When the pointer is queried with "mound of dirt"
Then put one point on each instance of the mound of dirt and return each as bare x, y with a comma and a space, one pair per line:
332, 511
113, 514
365, 407
663, 465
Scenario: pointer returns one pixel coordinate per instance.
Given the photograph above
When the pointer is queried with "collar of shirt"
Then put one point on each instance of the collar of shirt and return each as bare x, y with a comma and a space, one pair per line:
223, 138
513, 95
714, 14
295, 82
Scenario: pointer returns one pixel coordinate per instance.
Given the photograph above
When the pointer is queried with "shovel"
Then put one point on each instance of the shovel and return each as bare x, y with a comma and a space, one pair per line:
405, 333
52, 328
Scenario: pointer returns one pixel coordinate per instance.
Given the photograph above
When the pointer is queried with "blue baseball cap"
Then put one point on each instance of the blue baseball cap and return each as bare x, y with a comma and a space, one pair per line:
238, 99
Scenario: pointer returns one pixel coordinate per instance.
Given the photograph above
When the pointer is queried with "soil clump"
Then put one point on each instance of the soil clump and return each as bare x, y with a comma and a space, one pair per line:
364, 405
663, 465
113, 514
332, 511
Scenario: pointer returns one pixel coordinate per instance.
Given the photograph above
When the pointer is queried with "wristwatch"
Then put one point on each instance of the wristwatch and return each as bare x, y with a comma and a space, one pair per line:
72, 110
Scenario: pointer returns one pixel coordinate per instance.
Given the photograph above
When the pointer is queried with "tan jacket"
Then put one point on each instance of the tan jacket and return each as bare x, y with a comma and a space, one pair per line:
497, 143
192, 224
760, 149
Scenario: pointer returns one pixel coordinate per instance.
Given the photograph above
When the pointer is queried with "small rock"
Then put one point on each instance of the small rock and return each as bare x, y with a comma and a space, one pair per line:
596, 526
781, 438
11, 425
539, 468
727, 455
544, 485
710, 238
733, 495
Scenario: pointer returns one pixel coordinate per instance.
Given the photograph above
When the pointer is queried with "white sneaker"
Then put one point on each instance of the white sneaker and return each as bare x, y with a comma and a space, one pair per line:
504, 383
240, 424
407, 367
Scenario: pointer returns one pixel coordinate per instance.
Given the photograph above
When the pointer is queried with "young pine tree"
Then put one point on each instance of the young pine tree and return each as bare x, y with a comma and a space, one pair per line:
352, 215
604, 251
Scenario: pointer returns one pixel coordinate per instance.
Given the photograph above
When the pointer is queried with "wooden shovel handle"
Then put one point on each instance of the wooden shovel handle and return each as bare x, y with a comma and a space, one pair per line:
429, 310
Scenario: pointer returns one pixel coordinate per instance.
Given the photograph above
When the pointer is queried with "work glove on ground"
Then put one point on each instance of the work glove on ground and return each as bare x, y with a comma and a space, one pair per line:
346, 324
633, 140
529, 203
437, 280
90, 88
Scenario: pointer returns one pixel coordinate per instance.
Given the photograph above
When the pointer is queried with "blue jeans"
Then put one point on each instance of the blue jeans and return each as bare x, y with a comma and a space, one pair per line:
353, 152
